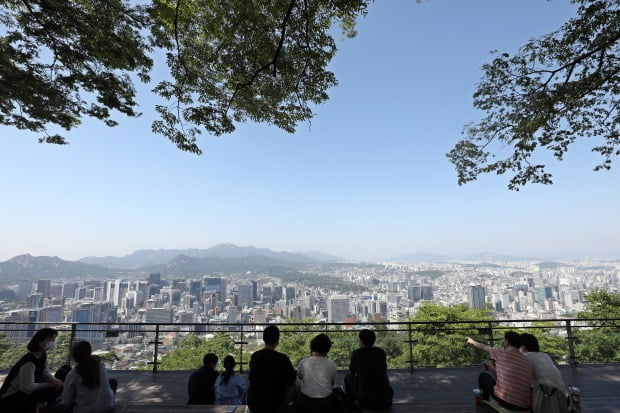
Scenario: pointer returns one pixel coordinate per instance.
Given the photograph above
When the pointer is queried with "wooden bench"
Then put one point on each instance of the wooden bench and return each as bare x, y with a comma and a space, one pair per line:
136, 408
495, 406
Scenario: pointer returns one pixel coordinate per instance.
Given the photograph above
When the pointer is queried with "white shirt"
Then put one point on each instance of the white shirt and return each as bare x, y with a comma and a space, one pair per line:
24, 381
317, 376
544, 371
231, 393
84, 400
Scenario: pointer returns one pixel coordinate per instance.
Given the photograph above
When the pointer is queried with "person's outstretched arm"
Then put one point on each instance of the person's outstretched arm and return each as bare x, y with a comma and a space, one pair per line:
479, 345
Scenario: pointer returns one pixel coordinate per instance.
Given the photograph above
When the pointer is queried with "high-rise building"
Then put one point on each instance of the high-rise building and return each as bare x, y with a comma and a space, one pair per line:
21, 332
35, 300
290, 294
267, 294
85, 314
155, 278
116, 291
43, 287
52, 313
217, 285
24, 290
254, 290
244, 293
68, 289
477, 297
56, 290
337, 308
195, 288
159, 315
277, 293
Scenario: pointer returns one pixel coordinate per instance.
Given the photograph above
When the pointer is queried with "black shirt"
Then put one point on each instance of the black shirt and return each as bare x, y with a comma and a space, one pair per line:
369, 369
200, 386
270, 374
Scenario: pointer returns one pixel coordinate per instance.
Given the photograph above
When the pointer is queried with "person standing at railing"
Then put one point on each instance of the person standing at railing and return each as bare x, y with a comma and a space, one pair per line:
317, 377
200, 387
272, 376
511, 386
229, 389
87, 386
30, 381
549, 393
367, 384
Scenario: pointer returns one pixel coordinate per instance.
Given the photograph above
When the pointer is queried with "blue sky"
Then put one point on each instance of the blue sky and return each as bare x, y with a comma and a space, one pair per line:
367, 179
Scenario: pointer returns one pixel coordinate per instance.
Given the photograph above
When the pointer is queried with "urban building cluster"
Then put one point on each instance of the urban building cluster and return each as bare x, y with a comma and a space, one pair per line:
392, 292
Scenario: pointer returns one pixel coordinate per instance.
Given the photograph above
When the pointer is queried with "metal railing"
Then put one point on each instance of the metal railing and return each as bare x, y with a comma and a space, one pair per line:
409, 344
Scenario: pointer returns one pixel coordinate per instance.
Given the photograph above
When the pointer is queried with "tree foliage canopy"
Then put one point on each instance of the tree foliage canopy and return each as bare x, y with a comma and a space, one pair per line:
442, 344
602, 343
558, 88
229, 61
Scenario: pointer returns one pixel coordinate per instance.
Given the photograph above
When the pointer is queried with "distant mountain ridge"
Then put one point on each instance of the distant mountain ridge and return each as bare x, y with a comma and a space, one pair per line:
26, 266
184, 266
146, 258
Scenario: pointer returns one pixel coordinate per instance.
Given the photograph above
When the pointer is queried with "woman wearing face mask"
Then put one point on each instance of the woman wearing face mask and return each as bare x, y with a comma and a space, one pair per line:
30, 381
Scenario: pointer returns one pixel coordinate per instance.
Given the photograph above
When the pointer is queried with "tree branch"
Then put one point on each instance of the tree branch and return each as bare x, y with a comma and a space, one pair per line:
266, 66
47, 31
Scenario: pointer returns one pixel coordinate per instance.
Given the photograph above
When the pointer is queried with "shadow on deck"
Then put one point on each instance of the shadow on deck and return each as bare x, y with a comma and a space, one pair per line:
427, 390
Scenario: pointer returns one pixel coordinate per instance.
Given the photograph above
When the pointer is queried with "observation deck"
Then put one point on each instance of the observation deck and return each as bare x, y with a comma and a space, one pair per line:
416, 388
426, 390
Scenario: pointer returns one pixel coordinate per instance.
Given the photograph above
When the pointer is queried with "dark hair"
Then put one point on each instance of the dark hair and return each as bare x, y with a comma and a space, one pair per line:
229, 366
367, 337
88, 365
209, 359
271, 335
39, 336
513, 338
321, 344
529, 341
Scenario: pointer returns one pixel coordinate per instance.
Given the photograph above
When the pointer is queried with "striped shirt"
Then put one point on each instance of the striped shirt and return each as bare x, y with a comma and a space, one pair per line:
514, 375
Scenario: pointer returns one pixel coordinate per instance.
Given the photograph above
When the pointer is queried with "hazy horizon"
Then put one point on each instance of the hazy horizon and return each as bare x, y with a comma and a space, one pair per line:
367, 180
448, 255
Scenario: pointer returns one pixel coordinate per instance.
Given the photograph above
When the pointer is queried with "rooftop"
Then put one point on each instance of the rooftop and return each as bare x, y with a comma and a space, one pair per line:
426, 390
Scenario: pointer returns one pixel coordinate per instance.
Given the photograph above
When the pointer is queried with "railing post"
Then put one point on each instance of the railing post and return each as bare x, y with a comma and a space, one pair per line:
156, 349
410, 349
571, 345
491, 339
71, 341
241, 351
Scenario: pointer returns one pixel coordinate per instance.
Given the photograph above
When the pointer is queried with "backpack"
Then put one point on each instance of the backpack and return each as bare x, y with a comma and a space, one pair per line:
547, 399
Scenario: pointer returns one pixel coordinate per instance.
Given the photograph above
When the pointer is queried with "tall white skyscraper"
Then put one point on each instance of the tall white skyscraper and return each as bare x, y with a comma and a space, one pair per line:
337, 308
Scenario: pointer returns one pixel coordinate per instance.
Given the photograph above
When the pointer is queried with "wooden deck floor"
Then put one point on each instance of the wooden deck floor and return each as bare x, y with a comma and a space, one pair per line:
427, 390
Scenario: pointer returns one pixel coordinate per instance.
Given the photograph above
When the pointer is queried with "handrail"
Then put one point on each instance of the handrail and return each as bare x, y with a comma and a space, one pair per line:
483, 327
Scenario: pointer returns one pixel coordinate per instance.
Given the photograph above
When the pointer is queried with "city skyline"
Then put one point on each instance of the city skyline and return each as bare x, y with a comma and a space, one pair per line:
367, 180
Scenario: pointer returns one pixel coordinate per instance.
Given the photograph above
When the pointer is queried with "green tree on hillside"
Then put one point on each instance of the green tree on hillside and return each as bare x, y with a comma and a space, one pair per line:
599, 342
441, 344
192, 348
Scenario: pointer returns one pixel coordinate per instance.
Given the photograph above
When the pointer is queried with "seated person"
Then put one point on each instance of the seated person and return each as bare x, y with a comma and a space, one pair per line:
317, 377
200, 386
272, 376
229, 389
549, 390
87, 388
367, 384
30, 381
511, 386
